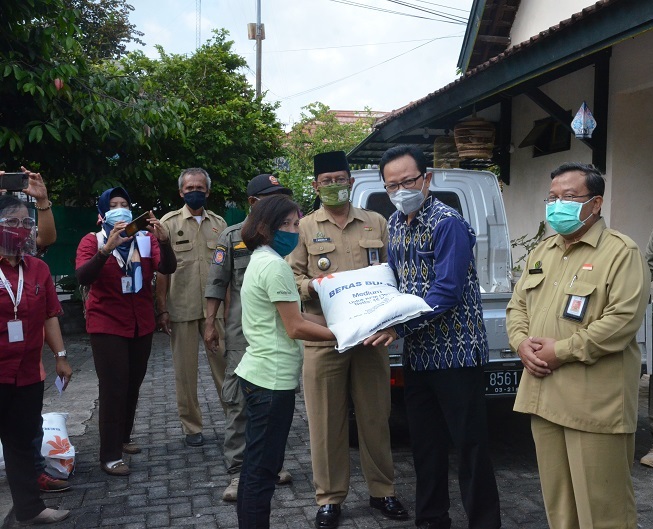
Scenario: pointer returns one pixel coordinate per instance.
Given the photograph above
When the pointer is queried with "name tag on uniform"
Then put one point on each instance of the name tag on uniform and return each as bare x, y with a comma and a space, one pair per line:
126, 282
373, 256
15, 331
576, 307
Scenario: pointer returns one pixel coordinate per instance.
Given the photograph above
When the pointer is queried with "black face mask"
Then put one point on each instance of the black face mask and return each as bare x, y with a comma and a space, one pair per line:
195, 199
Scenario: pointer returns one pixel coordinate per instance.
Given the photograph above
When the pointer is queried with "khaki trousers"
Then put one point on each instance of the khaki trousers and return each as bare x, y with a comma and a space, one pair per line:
329, 377
585, 477
184, 342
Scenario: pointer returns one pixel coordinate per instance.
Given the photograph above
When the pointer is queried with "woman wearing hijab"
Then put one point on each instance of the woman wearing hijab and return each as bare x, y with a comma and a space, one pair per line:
28, 316
269, 371
120, 316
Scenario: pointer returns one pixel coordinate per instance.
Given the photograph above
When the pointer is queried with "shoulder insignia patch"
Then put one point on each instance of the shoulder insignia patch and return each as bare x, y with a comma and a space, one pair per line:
240, 246
219, 255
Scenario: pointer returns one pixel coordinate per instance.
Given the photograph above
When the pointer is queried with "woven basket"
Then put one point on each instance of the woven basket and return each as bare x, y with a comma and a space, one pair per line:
474, 138
445, 154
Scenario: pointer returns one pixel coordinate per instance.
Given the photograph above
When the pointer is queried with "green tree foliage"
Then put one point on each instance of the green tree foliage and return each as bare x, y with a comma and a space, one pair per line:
65, 116
88, 124
227, 130
318, 131
104, 27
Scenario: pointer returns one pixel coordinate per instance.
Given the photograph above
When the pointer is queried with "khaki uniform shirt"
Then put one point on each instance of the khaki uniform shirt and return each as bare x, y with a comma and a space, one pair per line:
324, 248
194, 245
227, 271
603, 282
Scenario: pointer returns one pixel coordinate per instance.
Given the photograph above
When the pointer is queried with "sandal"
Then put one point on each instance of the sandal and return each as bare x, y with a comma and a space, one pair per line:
117, 469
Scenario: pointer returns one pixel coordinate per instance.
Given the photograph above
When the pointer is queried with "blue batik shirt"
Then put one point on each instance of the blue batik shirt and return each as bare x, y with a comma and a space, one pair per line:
433, 258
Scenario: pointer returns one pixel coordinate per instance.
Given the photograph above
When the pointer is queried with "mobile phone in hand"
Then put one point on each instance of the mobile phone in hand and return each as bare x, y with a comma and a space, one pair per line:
14, 181
138, 224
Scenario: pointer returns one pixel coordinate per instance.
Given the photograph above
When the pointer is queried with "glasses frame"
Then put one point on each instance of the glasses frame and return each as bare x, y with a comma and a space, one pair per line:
408, 183
341, 181
567, 199
19, 222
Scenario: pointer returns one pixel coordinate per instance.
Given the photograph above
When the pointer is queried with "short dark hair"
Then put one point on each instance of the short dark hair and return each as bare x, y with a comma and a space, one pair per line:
402, 150
265, 218
594, 180
9, 202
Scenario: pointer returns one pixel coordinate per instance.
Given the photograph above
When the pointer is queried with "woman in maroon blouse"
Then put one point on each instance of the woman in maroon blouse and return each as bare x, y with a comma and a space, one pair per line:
28, 315
120, 316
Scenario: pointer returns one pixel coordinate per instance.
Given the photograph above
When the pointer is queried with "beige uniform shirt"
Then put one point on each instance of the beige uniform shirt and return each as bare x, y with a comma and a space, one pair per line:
194, 245
591, 298
324, 248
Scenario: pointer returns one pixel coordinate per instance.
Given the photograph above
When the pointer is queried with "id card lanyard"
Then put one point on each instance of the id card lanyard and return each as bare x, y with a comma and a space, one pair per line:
14, 327
126, 280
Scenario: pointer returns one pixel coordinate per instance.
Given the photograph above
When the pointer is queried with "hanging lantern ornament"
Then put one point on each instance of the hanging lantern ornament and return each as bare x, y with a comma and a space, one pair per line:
583, 123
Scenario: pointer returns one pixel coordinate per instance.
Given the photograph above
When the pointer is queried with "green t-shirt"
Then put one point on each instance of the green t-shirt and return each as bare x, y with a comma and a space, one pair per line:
272, 359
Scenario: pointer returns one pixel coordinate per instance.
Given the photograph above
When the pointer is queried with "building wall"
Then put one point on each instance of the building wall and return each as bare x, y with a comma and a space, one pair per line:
629, 182
630, 137
534, 16
530, 177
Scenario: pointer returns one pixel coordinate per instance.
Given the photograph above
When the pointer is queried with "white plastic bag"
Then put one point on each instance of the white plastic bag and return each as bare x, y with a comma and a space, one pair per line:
59, 454
358, 303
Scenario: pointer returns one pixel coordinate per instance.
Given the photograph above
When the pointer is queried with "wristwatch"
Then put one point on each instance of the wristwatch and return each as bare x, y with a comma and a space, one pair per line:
60, 354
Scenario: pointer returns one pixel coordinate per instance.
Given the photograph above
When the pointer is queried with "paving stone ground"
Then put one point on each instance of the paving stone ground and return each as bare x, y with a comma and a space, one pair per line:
172, 485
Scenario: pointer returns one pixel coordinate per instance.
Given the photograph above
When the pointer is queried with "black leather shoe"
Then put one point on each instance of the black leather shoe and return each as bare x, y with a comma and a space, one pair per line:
195, 439
327, 516
390, 507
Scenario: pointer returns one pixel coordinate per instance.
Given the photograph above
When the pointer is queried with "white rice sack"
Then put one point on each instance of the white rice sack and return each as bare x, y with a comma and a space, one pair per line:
59, 454
358, 303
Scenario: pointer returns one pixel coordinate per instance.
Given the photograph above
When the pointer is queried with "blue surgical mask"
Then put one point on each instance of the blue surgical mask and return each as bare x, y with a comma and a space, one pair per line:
284, 242
195, 199
117, 215
564, 216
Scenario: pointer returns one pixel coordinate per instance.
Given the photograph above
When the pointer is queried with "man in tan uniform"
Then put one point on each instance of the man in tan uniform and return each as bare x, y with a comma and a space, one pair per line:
335, 238
194, 233
572, 319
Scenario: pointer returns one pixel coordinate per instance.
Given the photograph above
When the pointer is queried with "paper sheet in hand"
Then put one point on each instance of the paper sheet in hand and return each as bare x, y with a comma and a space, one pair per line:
358, 303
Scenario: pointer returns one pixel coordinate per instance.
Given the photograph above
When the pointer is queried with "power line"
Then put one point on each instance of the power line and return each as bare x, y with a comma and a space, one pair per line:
455, 18
382, 10
366, 69
443, 17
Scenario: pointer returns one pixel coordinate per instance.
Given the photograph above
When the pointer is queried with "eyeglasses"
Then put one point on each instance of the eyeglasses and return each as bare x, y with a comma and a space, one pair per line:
341, 181
14, 222
409, 183
551, 199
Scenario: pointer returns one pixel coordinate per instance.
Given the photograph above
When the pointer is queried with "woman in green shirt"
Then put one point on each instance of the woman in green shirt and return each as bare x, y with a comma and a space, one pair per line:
269, 370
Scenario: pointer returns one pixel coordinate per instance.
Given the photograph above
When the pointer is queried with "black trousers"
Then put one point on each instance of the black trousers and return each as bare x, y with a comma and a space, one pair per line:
120, 364
445, 406
20, 423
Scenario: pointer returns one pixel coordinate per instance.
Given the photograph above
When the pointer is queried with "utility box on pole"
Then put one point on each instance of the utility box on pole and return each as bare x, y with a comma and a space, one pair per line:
251, 31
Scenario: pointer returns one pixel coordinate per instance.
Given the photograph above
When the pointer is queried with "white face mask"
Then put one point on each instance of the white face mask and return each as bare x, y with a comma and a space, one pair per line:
408, 200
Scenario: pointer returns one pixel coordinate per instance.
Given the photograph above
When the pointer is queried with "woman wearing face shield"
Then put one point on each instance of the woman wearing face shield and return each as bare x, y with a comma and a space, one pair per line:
120, 316
28, 316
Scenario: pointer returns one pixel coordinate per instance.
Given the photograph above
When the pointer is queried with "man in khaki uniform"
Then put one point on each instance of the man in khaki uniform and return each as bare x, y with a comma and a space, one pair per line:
194, 233
335, 238
572, 319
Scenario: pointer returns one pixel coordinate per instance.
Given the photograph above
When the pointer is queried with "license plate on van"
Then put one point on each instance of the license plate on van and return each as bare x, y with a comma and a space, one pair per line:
502, 382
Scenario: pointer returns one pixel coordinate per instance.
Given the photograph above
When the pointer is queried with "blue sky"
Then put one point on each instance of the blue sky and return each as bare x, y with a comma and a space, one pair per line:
330, 51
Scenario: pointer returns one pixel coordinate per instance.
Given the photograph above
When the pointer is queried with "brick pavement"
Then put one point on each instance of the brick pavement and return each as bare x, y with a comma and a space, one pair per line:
172, 485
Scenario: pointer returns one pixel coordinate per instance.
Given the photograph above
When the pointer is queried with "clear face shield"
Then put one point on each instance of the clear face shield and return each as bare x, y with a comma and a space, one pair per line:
18, 231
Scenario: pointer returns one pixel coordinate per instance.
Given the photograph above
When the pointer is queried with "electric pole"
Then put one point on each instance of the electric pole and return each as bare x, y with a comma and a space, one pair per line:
257, 32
